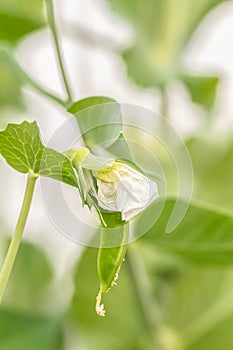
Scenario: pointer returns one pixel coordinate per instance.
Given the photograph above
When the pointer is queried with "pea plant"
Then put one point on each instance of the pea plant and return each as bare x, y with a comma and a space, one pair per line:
102, 182
175, 287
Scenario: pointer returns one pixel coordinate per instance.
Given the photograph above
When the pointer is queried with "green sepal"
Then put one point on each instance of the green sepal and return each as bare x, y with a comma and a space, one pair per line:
82, 157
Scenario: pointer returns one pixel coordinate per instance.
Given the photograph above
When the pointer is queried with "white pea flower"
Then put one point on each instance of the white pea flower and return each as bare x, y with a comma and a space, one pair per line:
123, 189
120, 188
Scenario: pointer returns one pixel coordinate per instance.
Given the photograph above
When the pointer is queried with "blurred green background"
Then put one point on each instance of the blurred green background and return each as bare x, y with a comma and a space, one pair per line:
174, 292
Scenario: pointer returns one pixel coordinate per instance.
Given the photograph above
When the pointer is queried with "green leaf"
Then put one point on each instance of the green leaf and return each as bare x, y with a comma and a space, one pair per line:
217, 336
149, 74
120, 148
18, 18
114, 239
19, 331
215, 158
57, 166
21, 146
99, 119
204, 236
202, 89
161, 35
29, 279
198, 307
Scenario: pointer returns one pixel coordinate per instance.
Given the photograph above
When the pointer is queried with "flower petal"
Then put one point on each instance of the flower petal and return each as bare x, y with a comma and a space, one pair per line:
130, 194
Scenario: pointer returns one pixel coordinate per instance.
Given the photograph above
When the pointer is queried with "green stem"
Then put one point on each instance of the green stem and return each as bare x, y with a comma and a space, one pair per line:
52, 24
7, 53
164, 104
16, 239
150, 310
164, 110
39, 88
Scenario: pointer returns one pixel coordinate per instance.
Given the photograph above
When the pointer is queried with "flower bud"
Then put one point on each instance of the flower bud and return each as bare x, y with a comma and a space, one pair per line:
112, 185
123, 189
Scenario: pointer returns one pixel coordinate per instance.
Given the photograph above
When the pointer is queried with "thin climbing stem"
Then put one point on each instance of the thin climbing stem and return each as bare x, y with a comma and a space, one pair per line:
164, 104
6, 53
52, 24
164, 110
16, 239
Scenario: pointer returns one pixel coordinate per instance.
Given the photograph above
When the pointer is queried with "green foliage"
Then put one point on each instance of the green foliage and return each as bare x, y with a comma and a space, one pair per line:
185, 307
21, 146
99, 119
19, 331
217, 336
18, 18
213, 172
162, 33
30, 277
120, 148
175, 290
202, 89
198, 307
204, 236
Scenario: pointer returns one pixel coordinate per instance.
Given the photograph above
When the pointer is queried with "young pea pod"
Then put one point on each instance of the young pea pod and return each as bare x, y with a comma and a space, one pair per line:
113, 246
